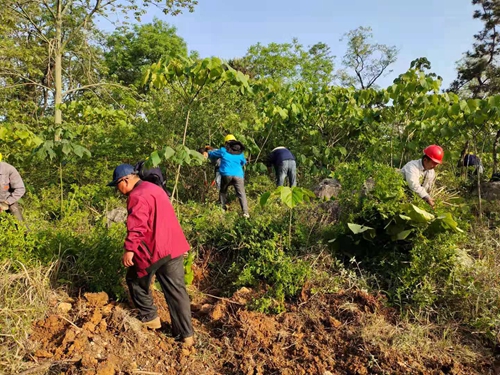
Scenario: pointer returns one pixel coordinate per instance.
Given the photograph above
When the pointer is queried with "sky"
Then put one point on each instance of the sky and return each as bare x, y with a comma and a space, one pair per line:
441, 30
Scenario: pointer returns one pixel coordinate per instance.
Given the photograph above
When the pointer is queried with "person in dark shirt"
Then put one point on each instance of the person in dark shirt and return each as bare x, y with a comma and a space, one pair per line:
284, 165
472, 163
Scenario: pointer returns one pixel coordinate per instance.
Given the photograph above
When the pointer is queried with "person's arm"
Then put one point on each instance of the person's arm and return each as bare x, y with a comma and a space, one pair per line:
429, 181
412, 177
137, 225
215, 154
17, 186
243, 160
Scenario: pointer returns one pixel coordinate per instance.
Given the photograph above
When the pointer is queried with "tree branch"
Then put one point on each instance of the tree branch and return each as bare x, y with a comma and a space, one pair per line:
26, 16
30, 81
85, 87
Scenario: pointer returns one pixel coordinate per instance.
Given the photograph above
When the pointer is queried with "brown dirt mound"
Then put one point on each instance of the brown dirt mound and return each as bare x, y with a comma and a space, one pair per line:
322, 335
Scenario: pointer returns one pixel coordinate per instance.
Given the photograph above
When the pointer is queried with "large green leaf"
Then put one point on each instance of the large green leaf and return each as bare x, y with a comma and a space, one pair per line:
358, 229
264, 198
418, 215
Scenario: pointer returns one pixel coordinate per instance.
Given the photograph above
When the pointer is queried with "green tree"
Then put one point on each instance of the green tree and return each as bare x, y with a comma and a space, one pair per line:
62, 26
479, 70
129, 50
289, 62
364, 62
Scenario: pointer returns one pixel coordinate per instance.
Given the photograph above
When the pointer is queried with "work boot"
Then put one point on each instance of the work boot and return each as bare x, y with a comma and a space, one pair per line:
188, 342
246, 216
153, 324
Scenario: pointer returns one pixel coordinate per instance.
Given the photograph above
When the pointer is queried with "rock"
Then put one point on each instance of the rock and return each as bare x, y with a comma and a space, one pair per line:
489, 190
368, 186
328, 188
117, 215
64, 308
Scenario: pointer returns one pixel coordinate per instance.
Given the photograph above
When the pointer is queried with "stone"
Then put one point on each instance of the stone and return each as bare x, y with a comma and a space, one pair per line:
328, 188
489, 190
117, 215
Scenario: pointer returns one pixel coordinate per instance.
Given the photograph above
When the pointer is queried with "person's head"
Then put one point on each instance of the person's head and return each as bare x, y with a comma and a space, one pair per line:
433, 155
229, 138
124, 178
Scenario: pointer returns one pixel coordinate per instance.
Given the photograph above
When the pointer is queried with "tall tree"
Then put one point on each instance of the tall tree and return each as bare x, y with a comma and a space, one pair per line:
479, 70
288, 62
60, 24
132, 49
365, 62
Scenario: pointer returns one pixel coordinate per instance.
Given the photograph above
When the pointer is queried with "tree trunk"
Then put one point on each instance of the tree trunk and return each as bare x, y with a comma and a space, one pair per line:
58, 69
177, 175
495, 153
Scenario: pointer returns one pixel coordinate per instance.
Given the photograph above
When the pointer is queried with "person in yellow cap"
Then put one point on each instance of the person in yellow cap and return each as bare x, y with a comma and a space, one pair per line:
11, 189
232, 161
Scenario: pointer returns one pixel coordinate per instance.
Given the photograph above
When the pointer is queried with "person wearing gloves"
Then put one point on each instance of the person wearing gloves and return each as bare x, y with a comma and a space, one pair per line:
420, 175
11, 190
232, 161
155, 245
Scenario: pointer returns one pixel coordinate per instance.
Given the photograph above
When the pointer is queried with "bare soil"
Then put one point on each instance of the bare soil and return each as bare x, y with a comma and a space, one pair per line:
318, 335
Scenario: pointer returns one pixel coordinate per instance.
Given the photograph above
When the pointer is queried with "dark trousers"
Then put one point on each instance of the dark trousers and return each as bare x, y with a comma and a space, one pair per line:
170, 275
14, 209
239, 187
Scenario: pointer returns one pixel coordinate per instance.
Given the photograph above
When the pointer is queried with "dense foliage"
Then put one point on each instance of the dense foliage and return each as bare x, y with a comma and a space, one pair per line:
140, 95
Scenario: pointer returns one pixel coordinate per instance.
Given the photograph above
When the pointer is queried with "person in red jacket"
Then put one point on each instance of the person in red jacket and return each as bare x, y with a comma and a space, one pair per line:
155, 245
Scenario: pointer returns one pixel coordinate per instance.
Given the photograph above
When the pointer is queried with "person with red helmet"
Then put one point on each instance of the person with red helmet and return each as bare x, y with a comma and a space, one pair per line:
420, 174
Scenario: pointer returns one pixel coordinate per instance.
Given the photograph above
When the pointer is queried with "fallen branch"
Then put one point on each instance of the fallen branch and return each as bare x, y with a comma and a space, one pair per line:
223, 299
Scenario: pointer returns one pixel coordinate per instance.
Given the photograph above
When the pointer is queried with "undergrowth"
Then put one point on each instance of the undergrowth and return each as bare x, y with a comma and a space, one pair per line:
24, 298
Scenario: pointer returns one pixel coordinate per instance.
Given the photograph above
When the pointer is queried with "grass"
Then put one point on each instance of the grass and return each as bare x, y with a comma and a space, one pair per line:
24, 298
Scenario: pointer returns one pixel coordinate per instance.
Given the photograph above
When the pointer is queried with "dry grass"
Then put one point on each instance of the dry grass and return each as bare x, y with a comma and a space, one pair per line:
24, 298
420, 340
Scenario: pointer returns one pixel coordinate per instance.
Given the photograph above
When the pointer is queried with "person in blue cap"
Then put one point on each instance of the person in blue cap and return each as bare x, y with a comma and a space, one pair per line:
155, 245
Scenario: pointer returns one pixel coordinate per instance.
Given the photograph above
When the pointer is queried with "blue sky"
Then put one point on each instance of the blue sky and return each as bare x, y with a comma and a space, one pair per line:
440, 30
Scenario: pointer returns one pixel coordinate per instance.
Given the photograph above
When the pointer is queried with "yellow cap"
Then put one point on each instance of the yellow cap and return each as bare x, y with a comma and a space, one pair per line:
229, 137
0, 156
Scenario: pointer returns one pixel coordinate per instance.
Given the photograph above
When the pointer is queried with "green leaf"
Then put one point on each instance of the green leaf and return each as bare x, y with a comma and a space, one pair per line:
66, 149
357, 229
418, 215
263, 198
286, 196
168, 152
155, 158
80, 150
402, 235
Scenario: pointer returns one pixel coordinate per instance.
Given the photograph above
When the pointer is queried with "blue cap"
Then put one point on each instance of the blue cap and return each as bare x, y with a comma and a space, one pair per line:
121, 171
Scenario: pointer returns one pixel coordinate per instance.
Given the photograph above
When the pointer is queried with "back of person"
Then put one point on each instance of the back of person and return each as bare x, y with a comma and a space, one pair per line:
280, 154
163, 235
153, 175
232, 159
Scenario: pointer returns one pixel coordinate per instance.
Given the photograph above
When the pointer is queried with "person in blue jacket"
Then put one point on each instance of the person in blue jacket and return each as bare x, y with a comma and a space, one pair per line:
232, 161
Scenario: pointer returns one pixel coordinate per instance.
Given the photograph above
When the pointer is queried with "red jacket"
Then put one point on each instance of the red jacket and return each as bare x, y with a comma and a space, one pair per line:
153, 231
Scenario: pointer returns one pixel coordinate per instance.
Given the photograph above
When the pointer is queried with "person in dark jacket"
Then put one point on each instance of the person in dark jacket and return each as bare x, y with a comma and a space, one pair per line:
472, 163
155, 245
284, 165
232, 161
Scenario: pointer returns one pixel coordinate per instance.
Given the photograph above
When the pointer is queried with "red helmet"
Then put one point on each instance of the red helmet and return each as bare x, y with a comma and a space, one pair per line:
435, 153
